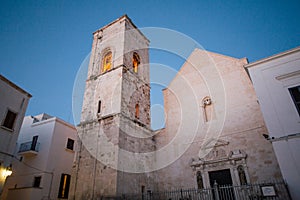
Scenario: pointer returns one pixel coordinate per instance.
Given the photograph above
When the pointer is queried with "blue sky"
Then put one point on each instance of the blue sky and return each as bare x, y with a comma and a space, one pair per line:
43, 43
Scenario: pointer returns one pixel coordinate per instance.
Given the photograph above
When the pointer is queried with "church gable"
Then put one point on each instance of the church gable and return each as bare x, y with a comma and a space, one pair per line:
202, 62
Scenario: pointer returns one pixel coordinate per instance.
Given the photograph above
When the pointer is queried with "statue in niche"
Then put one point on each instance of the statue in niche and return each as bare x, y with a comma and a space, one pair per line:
242, 175
199, 180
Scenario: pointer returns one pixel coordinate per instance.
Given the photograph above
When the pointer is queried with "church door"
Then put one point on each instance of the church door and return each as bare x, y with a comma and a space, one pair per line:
224, 181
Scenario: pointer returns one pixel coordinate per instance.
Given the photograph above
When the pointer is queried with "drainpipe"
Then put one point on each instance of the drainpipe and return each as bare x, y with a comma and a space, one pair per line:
49, 193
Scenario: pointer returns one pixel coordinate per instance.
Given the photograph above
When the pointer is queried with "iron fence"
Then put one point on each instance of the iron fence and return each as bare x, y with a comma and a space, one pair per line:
276, 190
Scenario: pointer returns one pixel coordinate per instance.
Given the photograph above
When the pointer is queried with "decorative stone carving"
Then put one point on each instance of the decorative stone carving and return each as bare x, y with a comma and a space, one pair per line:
216, 153
213, 142
220, 158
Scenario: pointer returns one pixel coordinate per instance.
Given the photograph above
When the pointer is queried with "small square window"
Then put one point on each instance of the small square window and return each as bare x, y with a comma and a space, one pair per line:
295, 93
9, 120
70, 144
37, 181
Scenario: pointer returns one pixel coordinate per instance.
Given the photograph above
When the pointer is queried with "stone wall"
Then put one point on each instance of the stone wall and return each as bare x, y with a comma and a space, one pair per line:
230, 138
135, 92
93, 174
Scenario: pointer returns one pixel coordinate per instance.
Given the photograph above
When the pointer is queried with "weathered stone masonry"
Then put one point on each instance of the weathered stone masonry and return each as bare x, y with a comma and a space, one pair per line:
124, 98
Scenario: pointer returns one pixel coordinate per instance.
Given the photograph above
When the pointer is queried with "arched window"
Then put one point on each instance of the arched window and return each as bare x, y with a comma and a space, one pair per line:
135, 62
137, 111
242, 175
107, 62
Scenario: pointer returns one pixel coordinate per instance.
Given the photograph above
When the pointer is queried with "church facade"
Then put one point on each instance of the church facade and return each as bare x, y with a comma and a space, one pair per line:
213, 132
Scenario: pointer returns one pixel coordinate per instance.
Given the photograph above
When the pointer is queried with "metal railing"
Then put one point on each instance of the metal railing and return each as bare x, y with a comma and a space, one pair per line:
276, 190
29, 146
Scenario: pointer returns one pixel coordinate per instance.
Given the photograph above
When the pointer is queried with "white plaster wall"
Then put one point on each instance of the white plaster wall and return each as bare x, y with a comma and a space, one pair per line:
24, 172
271, 79
60, 159
276, 103
26, 193
50, 162
10, 99
17, 101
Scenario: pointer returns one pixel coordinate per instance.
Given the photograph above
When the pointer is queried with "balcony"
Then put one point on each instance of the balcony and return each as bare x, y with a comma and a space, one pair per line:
29, 148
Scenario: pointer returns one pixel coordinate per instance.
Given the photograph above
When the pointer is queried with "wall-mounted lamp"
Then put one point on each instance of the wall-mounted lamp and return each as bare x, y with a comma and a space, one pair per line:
7, 171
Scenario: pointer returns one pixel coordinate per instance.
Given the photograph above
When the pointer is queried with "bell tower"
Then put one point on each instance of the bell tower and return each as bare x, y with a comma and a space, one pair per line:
118, 75
115, 111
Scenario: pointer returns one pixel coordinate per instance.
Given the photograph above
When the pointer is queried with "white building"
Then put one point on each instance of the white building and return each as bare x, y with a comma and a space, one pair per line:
13, 104
45, 153
276, 80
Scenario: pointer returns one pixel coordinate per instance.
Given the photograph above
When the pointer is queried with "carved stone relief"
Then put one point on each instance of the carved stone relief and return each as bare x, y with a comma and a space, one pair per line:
220, 158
